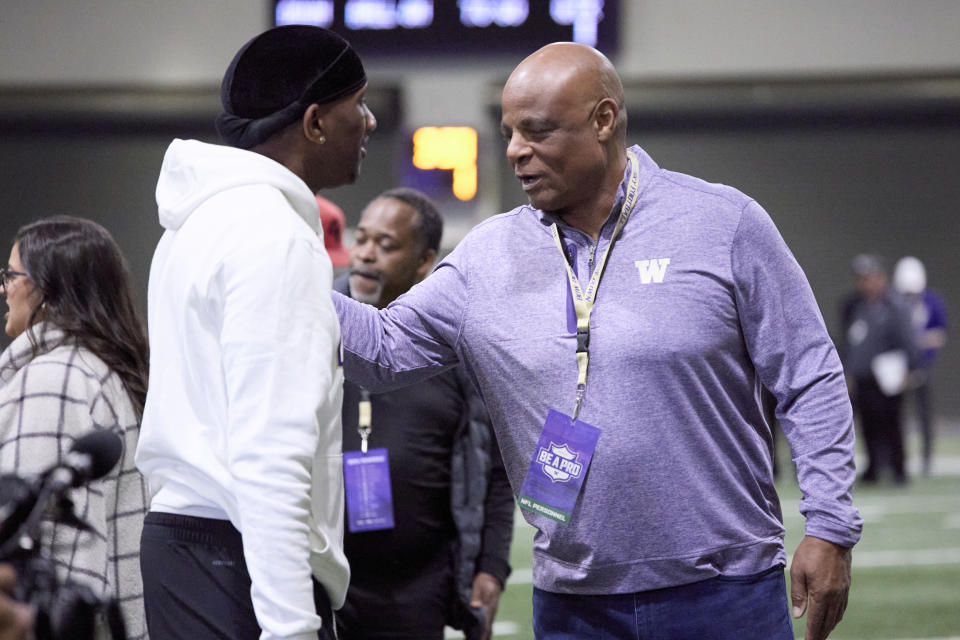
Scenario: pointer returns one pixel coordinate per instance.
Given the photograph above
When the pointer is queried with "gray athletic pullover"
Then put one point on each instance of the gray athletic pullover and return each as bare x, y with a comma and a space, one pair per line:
700, 302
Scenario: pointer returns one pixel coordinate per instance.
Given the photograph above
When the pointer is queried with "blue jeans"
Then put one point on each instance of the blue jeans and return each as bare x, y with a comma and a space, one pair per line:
752, 607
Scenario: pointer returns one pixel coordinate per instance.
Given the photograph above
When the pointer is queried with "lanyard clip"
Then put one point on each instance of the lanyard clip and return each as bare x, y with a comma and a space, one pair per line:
581, 389
364, 419
583, 339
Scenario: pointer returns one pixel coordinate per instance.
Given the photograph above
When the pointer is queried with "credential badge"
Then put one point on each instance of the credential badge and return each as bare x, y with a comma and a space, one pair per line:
559, 462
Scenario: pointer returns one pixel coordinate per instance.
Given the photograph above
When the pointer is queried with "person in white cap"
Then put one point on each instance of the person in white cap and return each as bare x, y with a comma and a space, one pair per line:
928, 316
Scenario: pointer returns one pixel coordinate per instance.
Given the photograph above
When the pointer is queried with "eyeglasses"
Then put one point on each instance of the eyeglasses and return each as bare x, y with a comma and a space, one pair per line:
7, 275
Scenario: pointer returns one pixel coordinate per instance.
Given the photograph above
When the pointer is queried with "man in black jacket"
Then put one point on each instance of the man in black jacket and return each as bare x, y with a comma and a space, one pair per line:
428, 540
877, 353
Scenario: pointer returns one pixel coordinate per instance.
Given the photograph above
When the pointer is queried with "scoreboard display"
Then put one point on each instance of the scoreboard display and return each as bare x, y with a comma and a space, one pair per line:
457, 27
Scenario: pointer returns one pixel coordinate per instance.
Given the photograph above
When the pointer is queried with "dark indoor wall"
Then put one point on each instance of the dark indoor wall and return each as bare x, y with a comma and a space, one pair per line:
111, 177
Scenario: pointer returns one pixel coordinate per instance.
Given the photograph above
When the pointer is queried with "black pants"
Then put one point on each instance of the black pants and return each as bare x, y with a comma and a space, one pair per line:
921, 397
196, 585
391, 607
882, 433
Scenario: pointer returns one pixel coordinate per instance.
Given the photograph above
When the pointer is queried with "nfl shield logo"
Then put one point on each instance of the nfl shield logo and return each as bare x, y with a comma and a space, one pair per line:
559, 462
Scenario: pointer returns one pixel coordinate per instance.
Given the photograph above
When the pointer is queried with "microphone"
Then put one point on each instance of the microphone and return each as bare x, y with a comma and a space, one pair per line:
17, 499
91, 457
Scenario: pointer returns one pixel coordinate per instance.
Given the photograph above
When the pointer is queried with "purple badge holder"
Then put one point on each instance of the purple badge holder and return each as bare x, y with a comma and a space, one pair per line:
559, 467
366, 477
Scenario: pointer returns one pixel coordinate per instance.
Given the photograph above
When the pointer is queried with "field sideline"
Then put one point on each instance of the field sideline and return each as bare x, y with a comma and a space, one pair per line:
906, 569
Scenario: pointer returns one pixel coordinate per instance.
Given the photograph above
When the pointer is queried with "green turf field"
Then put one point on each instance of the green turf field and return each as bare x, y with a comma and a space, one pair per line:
906, 569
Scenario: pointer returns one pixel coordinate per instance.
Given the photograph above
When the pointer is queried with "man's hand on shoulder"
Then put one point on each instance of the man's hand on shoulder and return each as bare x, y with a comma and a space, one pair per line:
819, 584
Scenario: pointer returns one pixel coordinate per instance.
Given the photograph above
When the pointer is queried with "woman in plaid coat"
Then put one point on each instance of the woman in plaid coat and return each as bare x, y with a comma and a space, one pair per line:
78, 362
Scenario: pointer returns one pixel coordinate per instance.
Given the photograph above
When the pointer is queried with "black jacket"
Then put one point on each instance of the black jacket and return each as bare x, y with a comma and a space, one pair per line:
481, 500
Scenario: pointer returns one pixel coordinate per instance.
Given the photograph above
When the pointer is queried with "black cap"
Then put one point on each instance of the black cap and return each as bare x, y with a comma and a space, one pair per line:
867, 264
278, 74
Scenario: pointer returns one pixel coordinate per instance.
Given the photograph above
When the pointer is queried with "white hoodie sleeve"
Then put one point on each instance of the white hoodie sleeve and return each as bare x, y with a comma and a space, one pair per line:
278, 338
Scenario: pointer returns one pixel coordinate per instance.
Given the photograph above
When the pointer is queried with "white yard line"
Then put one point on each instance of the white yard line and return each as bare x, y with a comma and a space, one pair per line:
520, 576
912, 558
940, 466
502, 628
952, 521
874, 507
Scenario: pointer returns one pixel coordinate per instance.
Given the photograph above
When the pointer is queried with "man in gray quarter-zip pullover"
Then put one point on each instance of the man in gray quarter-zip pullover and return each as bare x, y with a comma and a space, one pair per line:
627, 406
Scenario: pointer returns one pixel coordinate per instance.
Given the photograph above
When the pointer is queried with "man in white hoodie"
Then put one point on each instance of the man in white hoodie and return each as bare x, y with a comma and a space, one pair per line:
241, 436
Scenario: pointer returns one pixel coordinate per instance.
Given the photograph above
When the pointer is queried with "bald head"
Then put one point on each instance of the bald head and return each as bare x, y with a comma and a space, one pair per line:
565, 127
569, 74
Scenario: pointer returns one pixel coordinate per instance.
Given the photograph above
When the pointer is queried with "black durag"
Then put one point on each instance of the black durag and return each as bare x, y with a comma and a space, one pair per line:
277, 75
